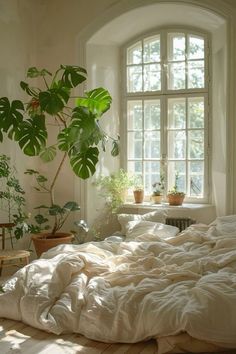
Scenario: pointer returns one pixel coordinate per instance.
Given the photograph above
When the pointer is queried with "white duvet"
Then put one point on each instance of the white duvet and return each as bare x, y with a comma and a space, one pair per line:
132, 291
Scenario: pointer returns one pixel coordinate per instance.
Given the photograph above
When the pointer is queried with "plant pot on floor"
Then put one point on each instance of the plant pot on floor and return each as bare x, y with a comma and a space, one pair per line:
44, 241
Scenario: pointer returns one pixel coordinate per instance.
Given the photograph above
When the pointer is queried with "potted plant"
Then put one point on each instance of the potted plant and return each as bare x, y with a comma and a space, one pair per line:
138, 193
175, 196
114, 188
156, 196
78, 133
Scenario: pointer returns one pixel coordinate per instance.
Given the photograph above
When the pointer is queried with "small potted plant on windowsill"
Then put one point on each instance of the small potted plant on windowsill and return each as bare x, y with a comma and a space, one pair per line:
138, 193
156, 196
175, 196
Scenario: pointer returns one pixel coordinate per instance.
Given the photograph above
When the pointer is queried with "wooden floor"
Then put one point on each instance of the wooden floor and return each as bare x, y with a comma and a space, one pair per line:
17, 338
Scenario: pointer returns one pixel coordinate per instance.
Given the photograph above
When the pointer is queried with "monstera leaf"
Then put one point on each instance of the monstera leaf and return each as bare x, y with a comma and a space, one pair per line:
48, 153
73, 75
32, 136
11, 114
80, 132
53, 100
84, 163
98, 101
64, 143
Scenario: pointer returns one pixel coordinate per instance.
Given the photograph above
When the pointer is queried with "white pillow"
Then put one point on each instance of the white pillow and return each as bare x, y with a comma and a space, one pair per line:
157, 216
137, 228
224, 225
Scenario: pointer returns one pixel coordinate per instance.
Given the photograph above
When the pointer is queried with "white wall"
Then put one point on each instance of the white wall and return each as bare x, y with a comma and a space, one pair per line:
48, 33
17, 43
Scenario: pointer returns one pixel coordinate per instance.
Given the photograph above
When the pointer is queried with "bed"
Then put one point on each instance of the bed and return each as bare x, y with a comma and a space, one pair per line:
178, 288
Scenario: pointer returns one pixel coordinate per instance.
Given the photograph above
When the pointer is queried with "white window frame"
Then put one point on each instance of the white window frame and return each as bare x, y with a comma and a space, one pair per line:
164, 93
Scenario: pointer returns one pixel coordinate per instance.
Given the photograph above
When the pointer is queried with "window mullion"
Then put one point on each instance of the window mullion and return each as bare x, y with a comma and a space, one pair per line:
187, 185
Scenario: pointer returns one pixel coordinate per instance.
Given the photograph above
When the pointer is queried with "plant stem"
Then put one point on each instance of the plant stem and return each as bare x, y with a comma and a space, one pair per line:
51, 190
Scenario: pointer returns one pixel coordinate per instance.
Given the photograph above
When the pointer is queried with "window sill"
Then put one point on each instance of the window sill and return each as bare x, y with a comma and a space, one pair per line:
202, 213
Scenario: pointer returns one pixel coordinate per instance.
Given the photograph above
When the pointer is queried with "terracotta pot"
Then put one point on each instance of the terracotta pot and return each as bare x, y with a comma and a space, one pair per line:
44, 241
156, 199
175, 199
138, 196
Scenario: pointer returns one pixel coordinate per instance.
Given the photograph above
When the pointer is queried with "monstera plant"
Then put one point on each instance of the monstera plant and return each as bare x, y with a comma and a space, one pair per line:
77, 120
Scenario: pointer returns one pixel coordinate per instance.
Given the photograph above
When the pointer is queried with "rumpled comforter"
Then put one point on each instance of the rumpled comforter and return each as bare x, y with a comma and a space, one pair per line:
132, 291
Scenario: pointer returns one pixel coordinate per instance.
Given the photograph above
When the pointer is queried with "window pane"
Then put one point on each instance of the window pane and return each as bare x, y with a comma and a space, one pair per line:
135, 169
177, 113
176, 76
152, 77
196, 112
134, 54
151, 49
152, 114
134, 113
196, 74
175, 167
177, 144
176, 46
135, 145
196, 144
151, 174
152, 145
134, 78
196, 178
196, 47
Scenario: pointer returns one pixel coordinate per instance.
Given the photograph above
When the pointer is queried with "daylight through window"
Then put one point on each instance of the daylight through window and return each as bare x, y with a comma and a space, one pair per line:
166, 100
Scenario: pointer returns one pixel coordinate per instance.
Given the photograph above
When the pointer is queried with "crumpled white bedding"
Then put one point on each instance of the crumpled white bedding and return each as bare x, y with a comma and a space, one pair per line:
132, 291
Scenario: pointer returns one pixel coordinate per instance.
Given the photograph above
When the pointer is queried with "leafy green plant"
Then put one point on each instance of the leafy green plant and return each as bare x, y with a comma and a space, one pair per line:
79, 133
114, 188
44, 212
12, 199
156, 188
175, 189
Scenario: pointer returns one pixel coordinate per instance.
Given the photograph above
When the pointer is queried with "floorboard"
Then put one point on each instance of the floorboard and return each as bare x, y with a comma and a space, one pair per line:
18, 338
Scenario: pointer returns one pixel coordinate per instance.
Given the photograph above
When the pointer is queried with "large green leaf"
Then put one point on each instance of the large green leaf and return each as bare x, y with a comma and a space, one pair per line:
11, 114
84, 163
73, 75
98, 101
80, 132
82, 125
33, 136
64, 143
53, 100
48, 153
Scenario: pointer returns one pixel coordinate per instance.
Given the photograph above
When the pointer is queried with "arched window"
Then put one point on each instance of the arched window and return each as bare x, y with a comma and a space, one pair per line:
167, 111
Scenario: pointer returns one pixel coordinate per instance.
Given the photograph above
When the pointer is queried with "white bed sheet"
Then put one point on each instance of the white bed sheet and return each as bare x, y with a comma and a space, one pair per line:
132, 291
